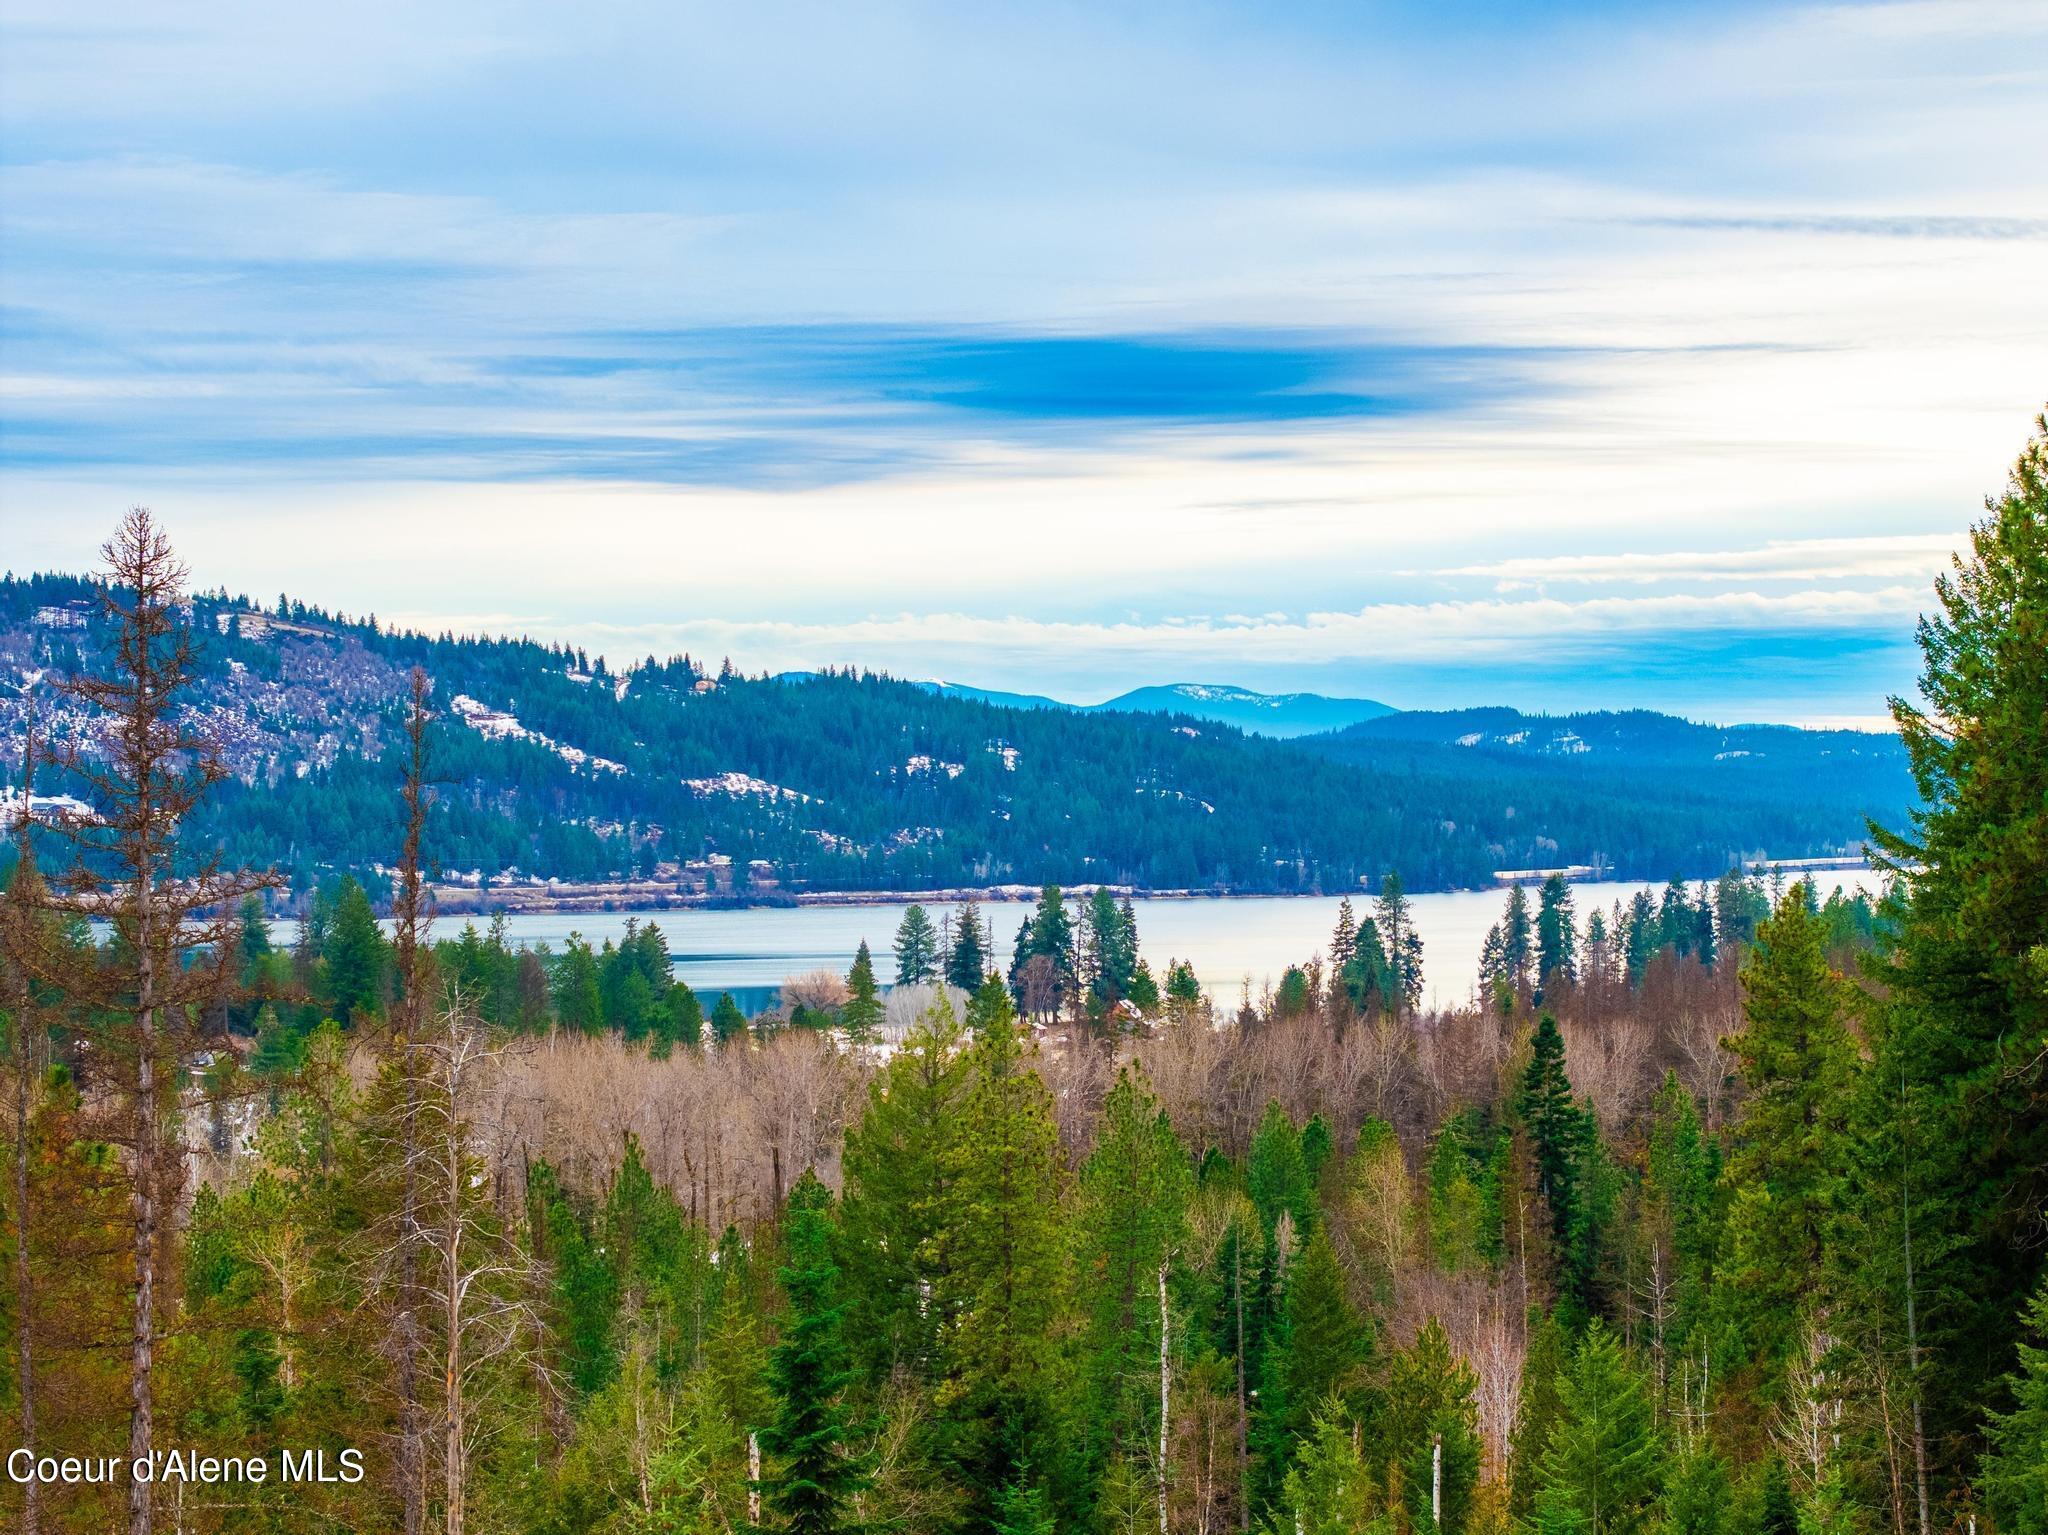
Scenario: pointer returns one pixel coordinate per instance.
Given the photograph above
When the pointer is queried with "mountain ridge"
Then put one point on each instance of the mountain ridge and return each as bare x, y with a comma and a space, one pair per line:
1280, 716
553, 766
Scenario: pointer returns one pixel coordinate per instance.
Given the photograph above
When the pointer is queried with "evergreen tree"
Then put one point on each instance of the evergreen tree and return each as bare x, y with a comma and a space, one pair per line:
1277, 1176
1705, 943
1798, 1061
862, 1016
355, 959
1135, 1189
1321, 1340
579, 997
903, 1173
1696, 1493
1557, 956
1329, 1490
917, 948
1004, 1286
815, 1476
967, 966
727, 1021
1516, 946
1602, 1468
1967, 981
2015, 1477
1344, 939
1432, 1430
1557, 1134
1403, 946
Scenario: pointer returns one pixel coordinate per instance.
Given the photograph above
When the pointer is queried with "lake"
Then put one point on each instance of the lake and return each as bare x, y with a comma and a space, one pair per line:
1230, 940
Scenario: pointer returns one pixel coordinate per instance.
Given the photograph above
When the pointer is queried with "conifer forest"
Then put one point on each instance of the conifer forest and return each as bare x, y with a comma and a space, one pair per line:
1723, 1212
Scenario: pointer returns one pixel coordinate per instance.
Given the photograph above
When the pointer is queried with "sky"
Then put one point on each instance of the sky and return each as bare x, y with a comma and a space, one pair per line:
1443, 353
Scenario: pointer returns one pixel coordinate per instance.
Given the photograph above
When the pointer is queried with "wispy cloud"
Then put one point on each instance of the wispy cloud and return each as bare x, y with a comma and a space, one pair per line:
1916, 555
1039, 330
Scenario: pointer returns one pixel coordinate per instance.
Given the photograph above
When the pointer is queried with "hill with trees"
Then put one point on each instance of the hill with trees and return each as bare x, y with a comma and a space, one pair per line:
554, 765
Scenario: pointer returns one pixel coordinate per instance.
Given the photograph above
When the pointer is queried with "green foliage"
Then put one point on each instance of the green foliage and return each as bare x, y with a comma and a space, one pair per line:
814, 1477
355, 960
1798, 1061
1431, 1412
1132, 1221
1603, 1464
2015, 1475
1329, 1490
1277, 1175
863, 1013
968, 964
917, 948
727, 1021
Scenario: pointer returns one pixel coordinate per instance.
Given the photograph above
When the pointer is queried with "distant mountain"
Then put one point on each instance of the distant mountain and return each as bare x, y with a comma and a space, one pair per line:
1634, 735
1281, 716
550, 765
1749, 775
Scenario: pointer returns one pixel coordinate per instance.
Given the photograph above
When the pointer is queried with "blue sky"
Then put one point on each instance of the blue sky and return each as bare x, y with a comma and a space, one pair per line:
1452, 353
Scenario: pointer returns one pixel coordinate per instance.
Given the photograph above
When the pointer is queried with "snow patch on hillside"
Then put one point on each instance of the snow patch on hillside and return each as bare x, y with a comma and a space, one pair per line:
497, 725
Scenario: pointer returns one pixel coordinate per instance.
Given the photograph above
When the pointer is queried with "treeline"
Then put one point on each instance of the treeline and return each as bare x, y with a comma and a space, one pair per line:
886, 785
1722, 1224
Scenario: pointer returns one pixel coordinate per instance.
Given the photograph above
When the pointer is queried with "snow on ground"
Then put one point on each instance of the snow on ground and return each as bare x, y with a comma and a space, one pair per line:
497, 725
741, 785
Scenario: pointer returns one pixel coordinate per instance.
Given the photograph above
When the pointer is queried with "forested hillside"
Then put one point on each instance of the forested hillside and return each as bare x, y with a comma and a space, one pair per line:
555, 766
1722, 1215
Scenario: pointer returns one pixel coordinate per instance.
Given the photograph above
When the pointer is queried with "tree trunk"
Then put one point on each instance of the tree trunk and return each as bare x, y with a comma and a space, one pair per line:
1244, 1460
1913, 1362
24, 1293
1165, 1397
142, 1207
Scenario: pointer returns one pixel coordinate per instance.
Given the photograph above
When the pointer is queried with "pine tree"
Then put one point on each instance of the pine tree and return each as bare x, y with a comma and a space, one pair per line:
2015, 1475
917, 948
1276, 1174
1432, 1430
1004, 1287
1536, 1413
1696, 1493
1344, 940
728, 1023
967, 966
153, 771
1329, 1489
1798, 1061
1135, 1188
1403, 947
1324, 1339
1557, 1134
1516, 947
355, 958
815, 1476
1967, 979
1705, 942
901, 1215
862, 1016
1602, 1468
1557, 956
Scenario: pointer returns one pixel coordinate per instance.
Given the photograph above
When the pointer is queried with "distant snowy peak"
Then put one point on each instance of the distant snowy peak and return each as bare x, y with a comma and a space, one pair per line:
1265, 714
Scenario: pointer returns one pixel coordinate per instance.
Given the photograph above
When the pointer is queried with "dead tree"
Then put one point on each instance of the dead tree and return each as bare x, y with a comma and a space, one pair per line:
146, 771
20, 923
412, 911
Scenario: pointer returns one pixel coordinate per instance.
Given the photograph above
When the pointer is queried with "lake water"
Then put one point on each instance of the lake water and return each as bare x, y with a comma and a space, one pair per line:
1230, 940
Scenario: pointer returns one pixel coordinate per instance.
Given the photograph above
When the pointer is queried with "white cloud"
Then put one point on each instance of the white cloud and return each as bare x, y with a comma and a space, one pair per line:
1914, 555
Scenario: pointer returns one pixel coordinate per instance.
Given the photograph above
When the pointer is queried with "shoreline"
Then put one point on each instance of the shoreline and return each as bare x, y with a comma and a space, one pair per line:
651, 895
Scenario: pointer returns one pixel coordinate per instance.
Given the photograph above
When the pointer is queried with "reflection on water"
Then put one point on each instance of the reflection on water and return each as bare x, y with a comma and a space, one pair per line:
1230, 941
